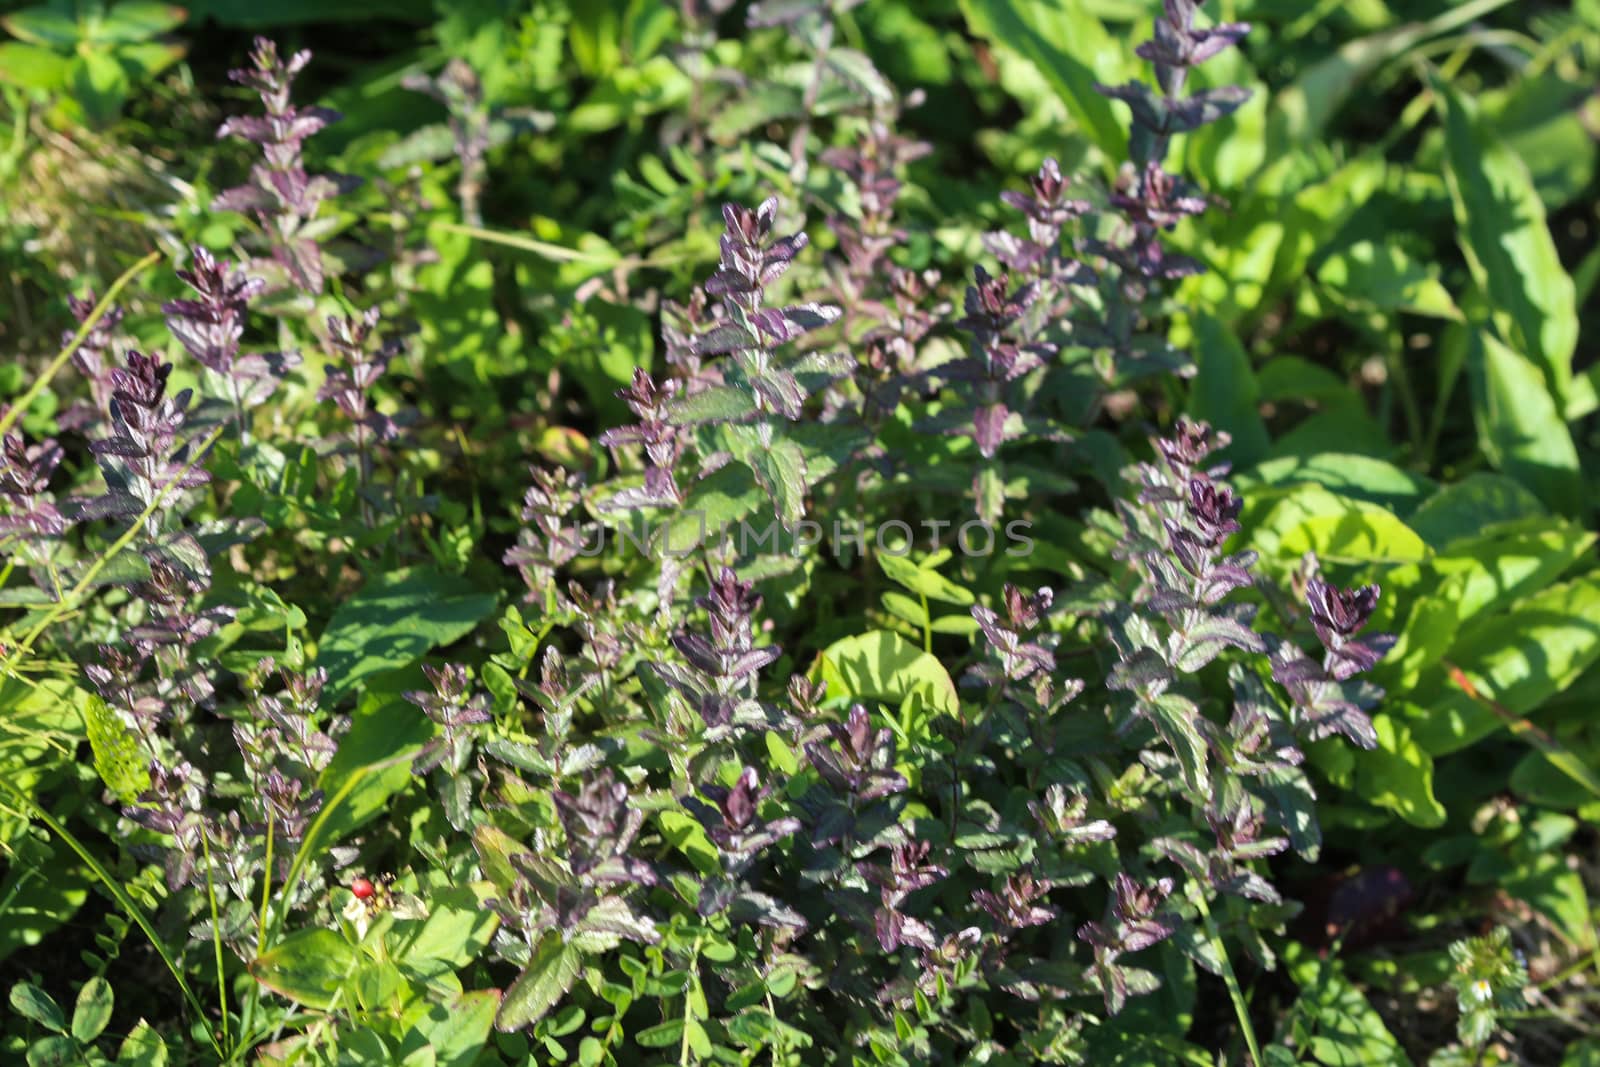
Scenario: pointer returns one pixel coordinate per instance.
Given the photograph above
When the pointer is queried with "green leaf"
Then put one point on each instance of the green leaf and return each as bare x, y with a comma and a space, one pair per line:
779, 467
93, 1010
1175, 719
1398, 775
1507, 242
99, 84
721, 403
1385, 277
31, 1002
53, 1051
44, 25
1071, 49
1308, 518
661, 1035
143, 1047
1346, 1031
1520, 425
550, 973
885, 666
383, 726
1465, 508
117, 758
1519, 660
395, 619
457, 1031
683, 832
458, 927
309, 967
136, 20
33, 67
1374, 481
1224, 390
923, 580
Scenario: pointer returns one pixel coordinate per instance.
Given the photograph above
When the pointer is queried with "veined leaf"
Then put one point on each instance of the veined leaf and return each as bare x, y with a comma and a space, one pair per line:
1508, 245
546, 979
117, 758
1520, 424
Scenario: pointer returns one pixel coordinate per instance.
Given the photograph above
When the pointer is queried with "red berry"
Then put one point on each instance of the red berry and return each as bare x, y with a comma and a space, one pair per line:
362, 888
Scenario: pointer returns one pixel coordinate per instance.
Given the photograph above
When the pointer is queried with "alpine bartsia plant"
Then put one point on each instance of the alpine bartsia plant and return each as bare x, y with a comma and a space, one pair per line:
283, 198
761, 391
719, 681
1174, 535
455, 710
1328, 697
1150, 200
95, 359
210, 327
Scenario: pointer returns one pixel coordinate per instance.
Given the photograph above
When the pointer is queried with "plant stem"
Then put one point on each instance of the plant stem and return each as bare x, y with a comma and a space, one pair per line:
1241, 1010
23, 402
120, 895
216, 936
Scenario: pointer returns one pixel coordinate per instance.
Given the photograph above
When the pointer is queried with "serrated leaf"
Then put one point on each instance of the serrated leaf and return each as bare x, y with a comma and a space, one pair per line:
550, 973
723, 403
1174, 718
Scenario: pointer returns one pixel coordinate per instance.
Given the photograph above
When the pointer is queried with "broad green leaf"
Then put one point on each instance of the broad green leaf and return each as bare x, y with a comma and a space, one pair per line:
393, 621
1071, 49
683, 832
1398, 775
143, 1047
1345, 1030
457, 1031
1519, 660
550, 973
885, 666
43, 25
117, 758
458, 927
1308, 518
1355, 477
33, 67
1224, 390
53, 1051
92, 1011
1507, 242
924, 580
136, 20
1464, 509
1520, 426
383, 726
309, 966
1385, 277
99, 84
31, 1002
